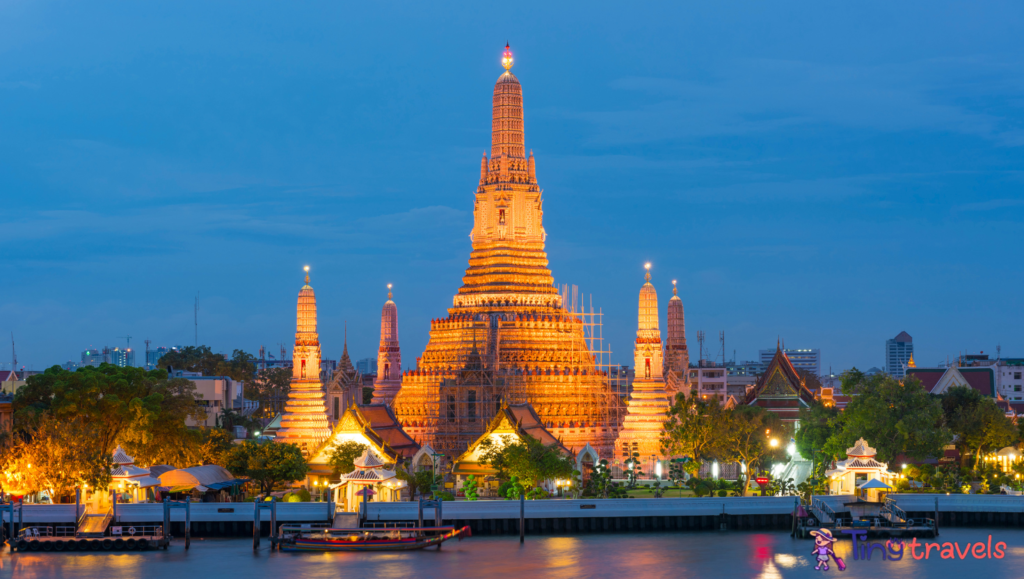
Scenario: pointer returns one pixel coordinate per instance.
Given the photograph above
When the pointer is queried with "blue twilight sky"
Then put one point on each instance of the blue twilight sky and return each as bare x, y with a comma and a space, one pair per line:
827, 172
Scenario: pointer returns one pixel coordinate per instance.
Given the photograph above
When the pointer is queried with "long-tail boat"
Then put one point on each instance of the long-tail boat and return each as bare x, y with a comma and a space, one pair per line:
386, 539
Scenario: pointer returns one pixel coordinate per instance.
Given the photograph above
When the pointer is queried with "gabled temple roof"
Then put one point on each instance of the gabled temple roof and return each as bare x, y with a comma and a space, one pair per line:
377, 423
780, 380
513, 420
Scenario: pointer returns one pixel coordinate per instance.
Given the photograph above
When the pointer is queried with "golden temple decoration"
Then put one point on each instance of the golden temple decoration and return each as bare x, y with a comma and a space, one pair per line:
389, 355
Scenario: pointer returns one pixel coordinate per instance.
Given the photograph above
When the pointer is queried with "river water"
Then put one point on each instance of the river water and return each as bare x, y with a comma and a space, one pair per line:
634, 556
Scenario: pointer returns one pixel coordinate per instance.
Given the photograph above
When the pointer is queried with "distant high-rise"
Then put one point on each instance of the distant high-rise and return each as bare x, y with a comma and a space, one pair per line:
124, 358
898, 351
95, 356
807, 360
367, 366
153, 356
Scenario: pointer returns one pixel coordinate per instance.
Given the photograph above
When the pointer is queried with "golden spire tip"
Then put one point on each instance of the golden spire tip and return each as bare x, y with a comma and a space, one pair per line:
306, 269
506, 58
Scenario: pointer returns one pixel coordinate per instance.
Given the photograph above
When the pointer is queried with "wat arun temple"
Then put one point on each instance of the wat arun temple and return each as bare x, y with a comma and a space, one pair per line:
509, 337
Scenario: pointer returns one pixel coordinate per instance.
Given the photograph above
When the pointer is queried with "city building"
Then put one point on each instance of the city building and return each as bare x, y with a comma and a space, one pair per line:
806, 360
1008, 372
367, 366
216, 394
781, 389
389, 355
507, 337
125, 358
11, 381
304, 421
648, 403
95, 357
153, 356
898, 351
752, 368
709, 380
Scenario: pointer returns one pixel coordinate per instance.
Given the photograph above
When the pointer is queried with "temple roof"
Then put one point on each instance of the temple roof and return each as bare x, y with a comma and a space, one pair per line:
377, 423
860, 449
517, 420
780, 380
121, 457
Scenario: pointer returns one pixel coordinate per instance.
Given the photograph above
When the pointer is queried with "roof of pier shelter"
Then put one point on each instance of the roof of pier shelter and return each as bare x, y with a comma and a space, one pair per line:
209, 476
514, 421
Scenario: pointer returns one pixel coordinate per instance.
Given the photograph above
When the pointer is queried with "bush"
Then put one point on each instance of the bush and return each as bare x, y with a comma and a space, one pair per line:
445, 496
537, 493
723, 493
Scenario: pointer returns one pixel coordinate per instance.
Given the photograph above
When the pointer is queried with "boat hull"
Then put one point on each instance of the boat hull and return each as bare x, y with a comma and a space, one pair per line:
403, 544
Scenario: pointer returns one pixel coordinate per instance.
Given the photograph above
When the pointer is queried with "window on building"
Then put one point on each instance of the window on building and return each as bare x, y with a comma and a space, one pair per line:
337, 405
1016, 375
303, 370
472, 405
501, 217
647, 367
387, 371
451, 407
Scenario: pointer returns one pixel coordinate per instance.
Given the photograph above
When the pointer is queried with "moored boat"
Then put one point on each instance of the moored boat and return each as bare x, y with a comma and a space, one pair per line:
371, 539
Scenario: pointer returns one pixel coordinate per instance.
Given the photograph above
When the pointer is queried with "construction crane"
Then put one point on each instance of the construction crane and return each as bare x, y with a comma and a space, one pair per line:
128, 338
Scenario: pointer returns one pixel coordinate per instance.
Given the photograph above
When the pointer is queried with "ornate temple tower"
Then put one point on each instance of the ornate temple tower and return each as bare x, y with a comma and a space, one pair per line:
507, 337
677, 357
389, 356
648, 402
346, 386
305, 417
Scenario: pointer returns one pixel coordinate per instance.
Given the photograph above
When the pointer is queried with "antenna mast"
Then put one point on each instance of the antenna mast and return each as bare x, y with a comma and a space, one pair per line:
14, 355
721, 336
700, 348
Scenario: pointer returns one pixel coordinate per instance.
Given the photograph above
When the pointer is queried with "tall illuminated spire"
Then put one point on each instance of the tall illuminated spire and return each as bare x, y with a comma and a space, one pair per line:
677, 357
389, 355
305, 415
648, 403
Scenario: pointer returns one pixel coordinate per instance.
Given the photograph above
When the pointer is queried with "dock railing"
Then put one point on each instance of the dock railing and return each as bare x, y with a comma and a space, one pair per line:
822, 511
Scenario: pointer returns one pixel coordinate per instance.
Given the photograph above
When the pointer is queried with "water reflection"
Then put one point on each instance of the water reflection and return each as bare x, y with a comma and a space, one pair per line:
639, 556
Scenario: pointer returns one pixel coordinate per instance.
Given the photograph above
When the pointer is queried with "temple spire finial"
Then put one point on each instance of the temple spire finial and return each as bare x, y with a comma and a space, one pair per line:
389, 291
647, 266
675, 290
506, 58
306, 269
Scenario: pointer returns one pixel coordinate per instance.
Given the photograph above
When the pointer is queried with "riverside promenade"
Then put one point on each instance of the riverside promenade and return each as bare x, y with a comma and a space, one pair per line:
553, 516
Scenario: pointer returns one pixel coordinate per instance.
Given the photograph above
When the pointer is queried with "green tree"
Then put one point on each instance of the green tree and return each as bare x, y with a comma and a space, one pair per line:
527, 459
215, 446
241, 367
895, 418
341, 457
469, 487
144, 411
693, 428
267, 463
270, 388
744, 438
632, 470
818, 423
978, 423
192, 359
58, 455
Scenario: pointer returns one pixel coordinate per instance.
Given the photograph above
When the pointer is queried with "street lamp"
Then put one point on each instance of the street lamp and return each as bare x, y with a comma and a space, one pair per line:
774, 443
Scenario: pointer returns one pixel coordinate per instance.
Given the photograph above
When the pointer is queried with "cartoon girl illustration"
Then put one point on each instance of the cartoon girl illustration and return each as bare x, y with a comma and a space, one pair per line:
823, 548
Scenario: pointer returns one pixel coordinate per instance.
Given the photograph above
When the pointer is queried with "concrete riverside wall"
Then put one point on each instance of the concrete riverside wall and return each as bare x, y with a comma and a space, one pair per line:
599, 515
964, 510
